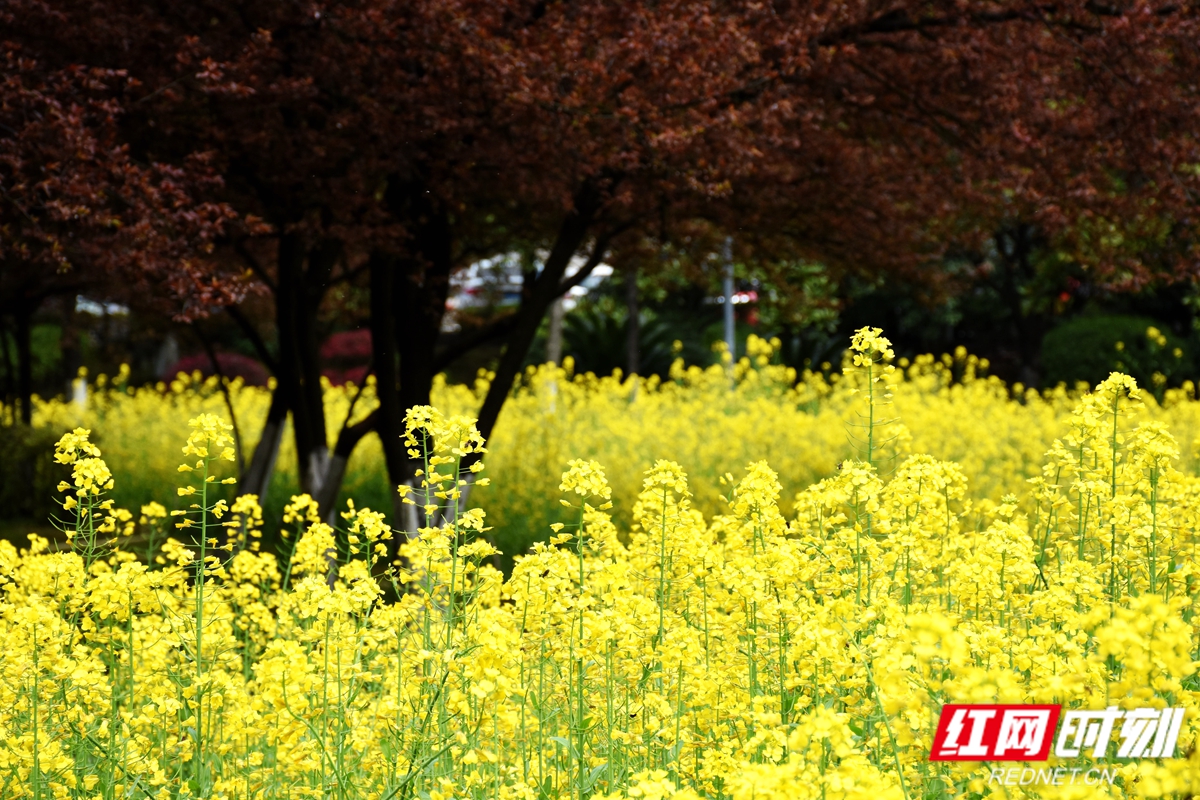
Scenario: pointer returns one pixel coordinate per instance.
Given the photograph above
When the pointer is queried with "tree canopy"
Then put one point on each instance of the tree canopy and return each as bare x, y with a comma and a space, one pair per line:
392, 142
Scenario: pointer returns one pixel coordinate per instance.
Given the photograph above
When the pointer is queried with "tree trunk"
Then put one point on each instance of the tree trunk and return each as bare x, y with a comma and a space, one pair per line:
348, 439
389, 421
10, 369
1015, 245
408, 299
25, 364
257, 478
299, 375
420, 299
331, 487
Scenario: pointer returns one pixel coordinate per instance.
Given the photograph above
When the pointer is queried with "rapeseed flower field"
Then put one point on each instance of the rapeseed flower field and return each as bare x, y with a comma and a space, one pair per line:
803, 425
779, 612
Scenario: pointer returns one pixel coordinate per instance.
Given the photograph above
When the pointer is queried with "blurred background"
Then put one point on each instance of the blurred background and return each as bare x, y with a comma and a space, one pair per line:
1039, 327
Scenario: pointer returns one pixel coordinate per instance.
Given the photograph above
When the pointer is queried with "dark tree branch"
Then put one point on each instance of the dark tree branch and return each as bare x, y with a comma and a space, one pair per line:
599, 251
927, 115
354, 400
505, 325
10, 371
481, 335
223, 383
351, 435
572, 233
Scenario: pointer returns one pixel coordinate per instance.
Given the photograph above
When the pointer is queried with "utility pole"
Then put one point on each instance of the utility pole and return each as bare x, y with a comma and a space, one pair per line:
729, 328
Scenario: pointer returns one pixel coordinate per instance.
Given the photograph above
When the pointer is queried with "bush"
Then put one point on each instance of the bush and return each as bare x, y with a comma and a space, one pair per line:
233, 365
596, 338
1089, 348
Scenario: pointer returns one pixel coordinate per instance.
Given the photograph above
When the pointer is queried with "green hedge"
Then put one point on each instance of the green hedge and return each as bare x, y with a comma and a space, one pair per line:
1089, 348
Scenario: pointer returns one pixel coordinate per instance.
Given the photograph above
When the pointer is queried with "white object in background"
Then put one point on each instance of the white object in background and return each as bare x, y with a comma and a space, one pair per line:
79, 393
99, 308
554, 337
167, 357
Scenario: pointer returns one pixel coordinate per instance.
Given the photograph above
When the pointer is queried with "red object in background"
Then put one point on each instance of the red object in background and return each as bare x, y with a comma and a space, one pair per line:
345, 355
233, 365
994, 732
337, 377
347, 346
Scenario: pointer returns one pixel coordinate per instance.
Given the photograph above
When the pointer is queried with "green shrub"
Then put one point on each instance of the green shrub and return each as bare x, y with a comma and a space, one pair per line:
595, 337
1089, 348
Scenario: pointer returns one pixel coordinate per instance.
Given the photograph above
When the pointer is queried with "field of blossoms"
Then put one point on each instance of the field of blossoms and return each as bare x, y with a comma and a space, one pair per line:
802, 425
753, 584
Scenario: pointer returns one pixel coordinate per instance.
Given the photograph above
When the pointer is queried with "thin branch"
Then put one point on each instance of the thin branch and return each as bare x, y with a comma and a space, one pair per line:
351, 435
223, 383
931, 115
357, 394
161, 89
504, 325
599, 250
493, 330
